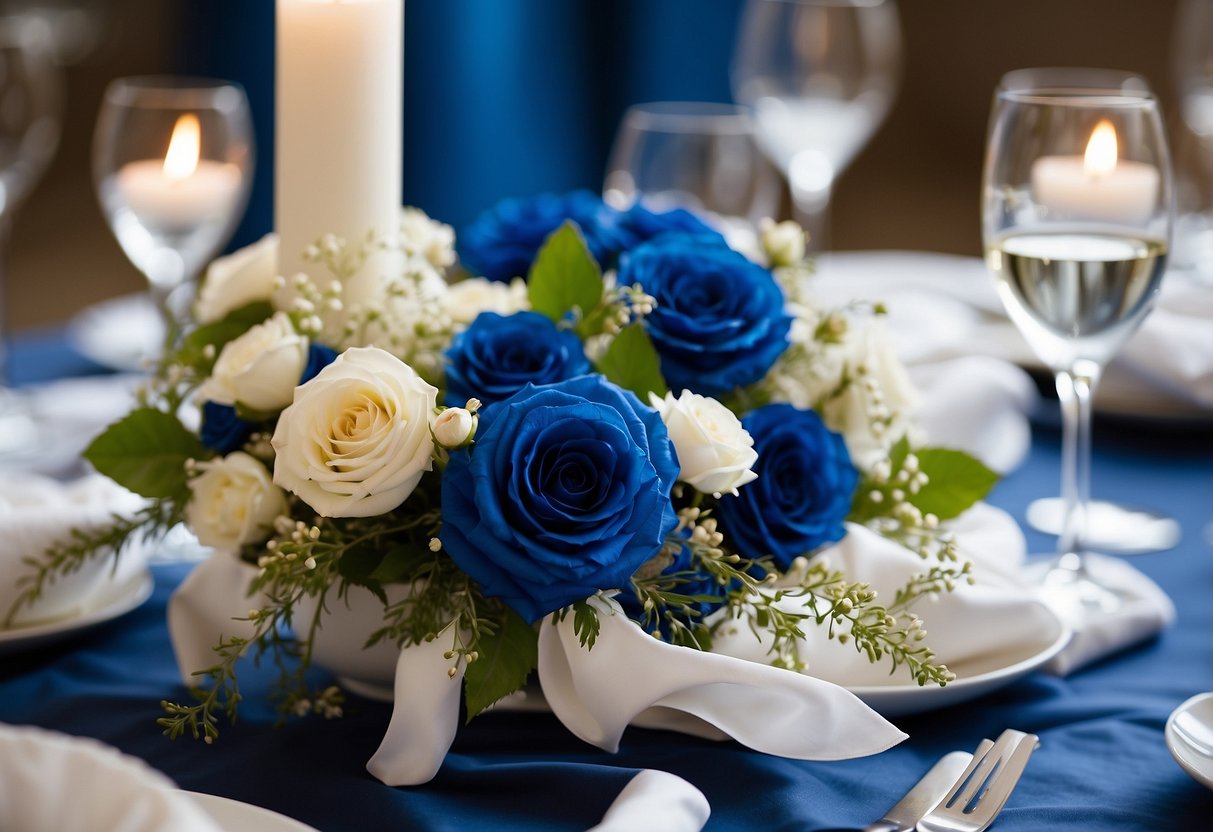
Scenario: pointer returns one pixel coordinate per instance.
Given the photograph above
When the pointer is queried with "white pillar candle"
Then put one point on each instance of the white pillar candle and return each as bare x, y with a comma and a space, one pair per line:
180, 192
1098, 185
340, 66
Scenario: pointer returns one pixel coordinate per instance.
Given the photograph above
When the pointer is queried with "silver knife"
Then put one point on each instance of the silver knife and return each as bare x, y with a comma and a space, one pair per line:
926, 793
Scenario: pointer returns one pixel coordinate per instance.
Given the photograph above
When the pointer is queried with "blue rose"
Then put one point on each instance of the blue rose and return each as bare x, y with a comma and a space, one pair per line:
502, 243
640, 225
719, 321
498, 355
566, 491
804, 487
223, 431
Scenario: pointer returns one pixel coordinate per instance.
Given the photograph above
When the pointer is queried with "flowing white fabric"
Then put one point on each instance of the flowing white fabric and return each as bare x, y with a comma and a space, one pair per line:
944, 306
36, 513
656, 801
206, 607
425, 715
596, 693
1145, 612
51, 782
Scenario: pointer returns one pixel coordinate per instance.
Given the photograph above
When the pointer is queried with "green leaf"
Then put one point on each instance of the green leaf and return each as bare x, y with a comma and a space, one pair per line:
955, 482
506, 658
564, 276
231, 326
631, 362
586, 624
146, 452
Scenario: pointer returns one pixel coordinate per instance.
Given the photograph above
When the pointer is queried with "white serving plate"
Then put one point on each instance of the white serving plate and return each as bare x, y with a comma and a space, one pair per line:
111, 603
1189, 735
235, 816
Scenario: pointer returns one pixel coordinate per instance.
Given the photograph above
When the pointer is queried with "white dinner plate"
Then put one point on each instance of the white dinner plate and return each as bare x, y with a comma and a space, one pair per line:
123, 333
1189, 734
974, 677
110, 604
234, 816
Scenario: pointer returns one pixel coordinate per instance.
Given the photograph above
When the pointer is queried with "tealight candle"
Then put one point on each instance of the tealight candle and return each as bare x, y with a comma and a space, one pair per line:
1098, 185
180, 191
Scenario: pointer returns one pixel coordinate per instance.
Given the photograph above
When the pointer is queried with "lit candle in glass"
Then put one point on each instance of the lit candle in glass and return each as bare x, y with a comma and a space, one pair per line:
182, 190
1097, 185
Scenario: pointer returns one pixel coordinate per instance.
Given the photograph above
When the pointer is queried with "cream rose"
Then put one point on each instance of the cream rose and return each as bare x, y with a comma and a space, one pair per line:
261, 368
714, 451
238, 279
356, 440
468, 298
233, 502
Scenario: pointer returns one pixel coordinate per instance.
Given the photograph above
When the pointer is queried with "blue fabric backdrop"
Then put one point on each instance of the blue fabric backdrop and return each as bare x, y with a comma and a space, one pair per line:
502, 97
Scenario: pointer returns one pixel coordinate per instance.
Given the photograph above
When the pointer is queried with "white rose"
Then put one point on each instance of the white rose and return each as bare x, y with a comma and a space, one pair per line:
233, 502
877, 407
784, 242
356, 440
261, 368
468, 298
423, 237
454, 427
715, 452
238, 279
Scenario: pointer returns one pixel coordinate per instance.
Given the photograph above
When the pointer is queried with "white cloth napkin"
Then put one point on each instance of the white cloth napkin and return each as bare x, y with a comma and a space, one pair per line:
208, 606
943, 306
656, 801
36, 513
50, 782
1145, 612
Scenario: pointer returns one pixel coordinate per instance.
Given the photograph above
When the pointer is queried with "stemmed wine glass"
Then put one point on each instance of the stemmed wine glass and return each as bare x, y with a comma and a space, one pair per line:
1076, 221
30, 116
695, 155
820, 76
172, 165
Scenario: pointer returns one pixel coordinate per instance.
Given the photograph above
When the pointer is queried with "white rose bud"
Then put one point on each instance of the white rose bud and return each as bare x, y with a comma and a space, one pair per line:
261, 368
714, 451
233, 502
356, 440
238, 279
455, 427
783, 242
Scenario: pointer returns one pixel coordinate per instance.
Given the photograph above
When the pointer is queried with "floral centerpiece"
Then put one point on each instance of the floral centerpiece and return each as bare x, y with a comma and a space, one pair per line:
587, 412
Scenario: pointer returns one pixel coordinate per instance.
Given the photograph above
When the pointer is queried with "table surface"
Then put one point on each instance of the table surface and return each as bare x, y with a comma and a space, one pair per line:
1103, 763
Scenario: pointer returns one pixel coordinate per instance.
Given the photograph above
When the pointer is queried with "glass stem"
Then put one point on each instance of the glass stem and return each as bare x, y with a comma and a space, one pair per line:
1074, 389
811, 208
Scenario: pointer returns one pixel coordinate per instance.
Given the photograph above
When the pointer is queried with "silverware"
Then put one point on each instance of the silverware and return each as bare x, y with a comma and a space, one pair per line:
926, 793
983, 789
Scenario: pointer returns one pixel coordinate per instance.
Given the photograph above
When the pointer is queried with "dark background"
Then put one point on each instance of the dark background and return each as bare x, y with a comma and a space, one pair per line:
510, 97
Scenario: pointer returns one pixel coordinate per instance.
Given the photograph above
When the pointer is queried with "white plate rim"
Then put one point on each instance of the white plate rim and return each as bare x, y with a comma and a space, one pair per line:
252, 818
118, 601
905, 700
1182, 751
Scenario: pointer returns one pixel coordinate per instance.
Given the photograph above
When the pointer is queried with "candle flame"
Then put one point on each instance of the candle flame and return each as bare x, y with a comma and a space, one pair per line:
1100, 158
181, 160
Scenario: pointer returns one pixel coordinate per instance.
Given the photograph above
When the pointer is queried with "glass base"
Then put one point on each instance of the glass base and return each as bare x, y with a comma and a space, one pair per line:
1073, 593
21, 443
1111, 527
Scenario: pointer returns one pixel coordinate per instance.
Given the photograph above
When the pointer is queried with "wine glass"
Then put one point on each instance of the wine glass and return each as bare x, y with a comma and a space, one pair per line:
172, 165
694, 155
1076, 222
820, 76
30, 116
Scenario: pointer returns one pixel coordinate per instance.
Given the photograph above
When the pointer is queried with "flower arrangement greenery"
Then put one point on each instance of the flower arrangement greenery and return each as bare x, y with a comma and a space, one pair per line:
584, 402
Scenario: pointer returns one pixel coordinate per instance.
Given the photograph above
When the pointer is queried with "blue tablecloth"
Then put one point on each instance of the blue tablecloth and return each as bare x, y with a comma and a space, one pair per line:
1103, 763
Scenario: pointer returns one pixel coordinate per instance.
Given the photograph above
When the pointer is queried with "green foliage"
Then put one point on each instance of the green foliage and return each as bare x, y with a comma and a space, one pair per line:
955, 482
564, 278
631, 362
146, 451
193, 351
504, 660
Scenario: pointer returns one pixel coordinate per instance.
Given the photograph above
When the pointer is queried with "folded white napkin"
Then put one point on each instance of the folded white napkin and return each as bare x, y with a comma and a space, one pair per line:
1145, 612
943, 306
36, 513
50, 782
656, 801
208, 606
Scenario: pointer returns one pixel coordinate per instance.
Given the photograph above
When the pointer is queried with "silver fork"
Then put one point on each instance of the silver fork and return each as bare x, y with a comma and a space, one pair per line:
983, 789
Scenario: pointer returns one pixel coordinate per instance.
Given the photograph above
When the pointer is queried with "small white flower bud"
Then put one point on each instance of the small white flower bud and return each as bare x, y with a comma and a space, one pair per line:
454, 427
